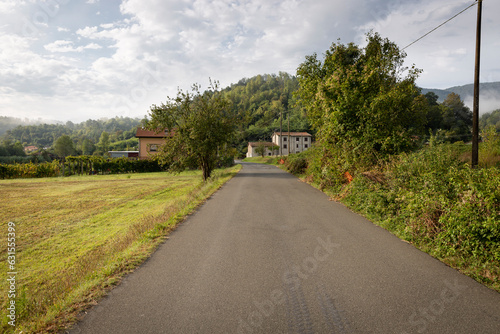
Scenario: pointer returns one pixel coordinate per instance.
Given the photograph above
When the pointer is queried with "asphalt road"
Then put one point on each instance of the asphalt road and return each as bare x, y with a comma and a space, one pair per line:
270, 254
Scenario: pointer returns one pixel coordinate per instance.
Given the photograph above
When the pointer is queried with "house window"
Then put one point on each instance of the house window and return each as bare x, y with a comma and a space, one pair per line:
284, 139
305, 139
297, 139
305, 145
284, 146
297, 145
153, 148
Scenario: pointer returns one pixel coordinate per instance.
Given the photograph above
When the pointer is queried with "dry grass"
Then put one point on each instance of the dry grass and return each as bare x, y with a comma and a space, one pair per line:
76, 236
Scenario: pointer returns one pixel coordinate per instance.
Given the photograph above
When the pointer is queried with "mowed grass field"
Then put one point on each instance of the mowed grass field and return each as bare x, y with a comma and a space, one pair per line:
76, 236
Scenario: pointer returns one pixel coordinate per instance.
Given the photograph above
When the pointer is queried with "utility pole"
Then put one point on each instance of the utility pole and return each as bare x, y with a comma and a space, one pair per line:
289, 143
475, 110
281, 133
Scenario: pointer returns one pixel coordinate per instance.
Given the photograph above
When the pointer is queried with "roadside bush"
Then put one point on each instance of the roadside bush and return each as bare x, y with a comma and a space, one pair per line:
296, 164
489, 150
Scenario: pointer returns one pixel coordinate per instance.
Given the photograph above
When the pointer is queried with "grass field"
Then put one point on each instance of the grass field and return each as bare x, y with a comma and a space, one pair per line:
76, 236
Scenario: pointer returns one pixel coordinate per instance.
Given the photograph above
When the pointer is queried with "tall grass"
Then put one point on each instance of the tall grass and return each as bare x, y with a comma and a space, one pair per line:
78, 235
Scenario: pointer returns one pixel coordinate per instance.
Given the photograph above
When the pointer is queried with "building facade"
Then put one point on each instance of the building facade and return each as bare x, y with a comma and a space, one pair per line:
269, 151
150, 141
292, 142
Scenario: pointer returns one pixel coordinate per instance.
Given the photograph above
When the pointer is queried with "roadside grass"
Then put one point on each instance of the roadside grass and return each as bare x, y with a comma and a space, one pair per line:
77, 236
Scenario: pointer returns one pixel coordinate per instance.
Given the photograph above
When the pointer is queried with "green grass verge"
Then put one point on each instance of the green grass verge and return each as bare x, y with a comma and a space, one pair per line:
77, 236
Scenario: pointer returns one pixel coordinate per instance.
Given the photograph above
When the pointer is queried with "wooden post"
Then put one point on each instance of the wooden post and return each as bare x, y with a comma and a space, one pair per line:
475, 111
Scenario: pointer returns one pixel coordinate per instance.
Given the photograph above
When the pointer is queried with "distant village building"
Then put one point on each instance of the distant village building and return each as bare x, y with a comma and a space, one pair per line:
150, 141
268, 151
29, 149
292, 142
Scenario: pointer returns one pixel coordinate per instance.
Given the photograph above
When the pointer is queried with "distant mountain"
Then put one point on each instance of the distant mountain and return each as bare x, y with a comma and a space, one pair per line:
489, 95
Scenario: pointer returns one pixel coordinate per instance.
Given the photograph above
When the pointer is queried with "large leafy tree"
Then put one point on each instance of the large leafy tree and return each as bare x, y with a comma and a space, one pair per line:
64, 146
363, 99
103, 144
200, 127
457, 118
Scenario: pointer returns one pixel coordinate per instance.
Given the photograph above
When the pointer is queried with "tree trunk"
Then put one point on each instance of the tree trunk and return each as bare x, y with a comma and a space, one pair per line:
206, 168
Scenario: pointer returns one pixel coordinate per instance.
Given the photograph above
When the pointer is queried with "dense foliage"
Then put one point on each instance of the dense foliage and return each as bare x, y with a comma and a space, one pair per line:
450, 120
260, 102
490, 119
362, 105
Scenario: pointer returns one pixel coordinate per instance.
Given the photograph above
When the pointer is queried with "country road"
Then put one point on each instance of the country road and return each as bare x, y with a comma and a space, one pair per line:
270, 254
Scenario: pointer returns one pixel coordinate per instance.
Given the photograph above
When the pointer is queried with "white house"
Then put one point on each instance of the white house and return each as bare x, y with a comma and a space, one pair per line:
292, 142
253, 145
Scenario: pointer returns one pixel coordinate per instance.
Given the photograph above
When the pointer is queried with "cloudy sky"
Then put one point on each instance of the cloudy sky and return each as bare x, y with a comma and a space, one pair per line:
79, 59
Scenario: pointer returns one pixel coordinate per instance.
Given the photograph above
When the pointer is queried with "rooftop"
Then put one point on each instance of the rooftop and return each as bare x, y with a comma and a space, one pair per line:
294, 134
143, 133
255, 144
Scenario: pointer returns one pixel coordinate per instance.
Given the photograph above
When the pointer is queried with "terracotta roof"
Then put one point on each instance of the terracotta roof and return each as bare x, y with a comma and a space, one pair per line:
143, 133
254, 144
296, 134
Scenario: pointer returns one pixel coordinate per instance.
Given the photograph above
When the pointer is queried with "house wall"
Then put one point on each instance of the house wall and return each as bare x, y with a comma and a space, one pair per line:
297, 144
251, 152
144, 144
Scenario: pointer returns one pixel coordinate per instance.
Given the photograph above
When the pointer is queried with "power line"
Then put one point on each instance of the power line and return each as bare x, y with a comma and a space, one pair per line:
439, 26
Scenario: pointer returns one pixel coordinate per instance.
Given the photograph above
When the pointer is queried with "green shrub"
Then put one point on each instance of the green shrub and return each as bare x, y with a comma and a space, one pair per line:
296, 164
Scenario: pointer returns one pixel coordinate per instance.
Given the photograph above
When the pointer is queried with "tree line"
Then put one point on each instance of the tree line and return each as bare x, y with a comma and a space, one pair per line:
92, 137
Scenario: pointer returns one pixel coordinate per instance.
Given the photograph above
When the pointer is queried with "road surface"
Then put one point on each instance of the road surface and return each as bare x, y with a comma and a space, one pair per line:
270, 254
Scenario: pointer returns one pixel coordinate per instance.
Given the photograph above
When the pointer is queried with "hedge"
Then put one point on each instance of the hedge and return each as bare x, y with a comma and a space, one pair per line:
80, 165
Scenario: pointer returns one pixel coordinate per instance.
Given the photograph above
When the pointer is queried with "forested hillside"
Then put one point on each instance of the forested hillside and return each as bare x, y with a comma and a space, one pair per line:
7, 123
259, 102
89, 137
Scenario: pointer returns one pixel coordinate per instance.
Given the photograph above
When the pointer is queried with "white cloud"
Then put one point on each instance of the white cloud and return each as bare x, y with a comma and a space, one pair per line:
62, 46
136, 53
93, 46
67, 46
